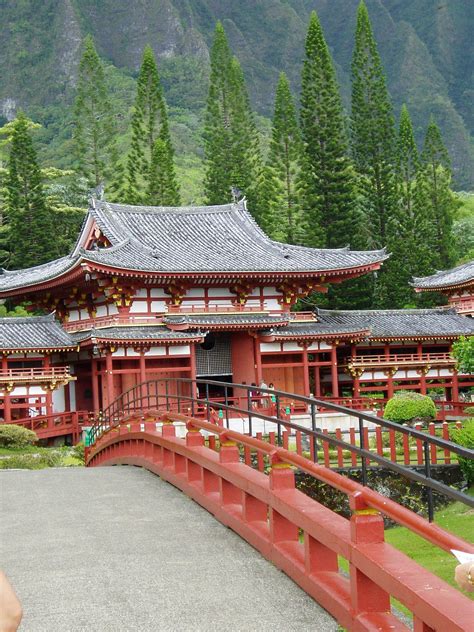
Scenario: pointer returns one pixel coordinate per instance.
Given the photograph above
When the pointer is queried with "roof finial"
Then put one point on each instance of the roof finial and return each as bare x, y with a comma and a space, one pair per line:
236, 194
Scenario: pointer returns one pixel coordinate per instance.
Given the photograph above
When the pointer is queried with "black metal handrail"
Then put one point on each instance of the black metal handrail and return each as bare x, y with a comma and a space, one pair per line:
141, 396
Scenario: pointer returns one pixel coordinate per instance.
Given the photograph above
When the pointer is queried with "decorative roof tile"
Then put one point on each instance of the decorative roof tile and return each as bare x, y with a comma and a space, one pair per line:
460, 275
33, 333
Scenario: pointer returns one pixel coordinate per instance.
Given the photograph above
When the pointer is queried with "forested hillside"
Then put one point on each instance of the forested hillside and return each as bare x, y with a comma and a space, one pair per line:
425, 46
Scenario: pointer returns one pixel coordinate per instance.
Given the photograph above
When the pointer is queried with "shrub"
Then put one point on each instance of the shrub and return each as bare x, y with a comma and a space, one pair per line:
465, 436
469, 410
410, 407
78, 452
12, 436
51, 458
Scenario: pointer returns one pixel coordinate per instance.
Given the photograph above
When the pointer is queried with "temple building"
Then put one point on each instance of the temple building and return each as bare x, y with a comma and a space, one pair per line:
457, 284
158, 292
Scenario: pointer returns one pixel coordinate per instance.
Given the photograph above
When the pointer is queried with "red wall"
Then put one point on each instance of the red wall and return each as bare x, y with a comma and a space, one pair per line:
243, 361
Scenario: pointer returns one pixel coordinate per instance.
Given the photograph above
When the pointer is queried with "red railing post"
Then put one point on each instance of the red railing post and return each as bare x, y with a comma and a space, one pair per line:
367, 528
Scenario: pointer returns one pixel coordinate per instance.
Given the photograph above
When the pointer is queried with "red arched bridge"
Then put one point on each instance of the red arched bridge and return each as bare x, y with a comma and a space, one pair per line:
249, 485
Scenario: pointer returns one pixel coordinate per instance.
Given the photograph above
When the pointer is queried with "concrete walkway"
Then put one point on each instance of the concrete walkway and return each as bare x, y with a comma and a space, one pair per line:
117, 549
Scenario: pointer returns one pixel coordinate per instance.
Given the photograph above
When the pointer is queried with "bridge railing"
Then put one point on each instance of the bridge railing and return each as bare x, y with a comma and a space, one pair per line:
180, 395
299, 535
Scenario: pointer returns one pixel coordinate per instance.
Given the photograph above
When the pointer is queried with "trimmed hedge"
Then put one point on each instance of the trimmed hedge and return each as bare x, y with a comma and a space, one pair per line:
409, 406
12, 436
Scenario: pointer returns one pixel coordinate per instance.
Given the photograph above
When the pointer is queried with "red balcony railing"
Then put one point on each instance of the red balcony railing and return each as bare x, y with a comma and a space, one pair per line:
401, 359
36, 374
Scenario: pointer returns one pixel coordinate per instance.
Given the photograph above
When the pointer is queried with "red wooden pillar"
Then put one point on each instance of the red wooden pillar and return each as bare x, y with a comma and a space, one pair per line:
109, 377
423, 382
258, 361
305, 372
7, 405
95, 387
334, 374
389, 384
49, 393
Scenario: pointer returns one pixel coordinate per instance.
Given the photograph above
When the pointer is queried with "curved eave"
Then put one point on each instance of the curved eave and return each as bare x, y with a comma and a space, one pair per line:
4, 350
444, 288
66, 277
238, 274
351, 335
226, 326
139, 342
420, 337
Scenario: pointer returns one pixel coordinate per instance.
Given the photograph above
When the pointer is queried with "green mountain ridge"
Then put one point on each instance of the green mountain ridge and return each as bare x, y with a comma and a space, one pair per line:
424, 44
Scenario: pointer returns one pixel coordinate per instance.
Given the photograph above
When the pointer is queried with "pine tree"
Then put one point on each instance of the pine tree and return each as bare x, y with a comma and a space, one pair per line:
161, 191
435, 178
409, 231
327, 175
94, 122
149, 124
372, 131
282, 217
31, 234
231, 145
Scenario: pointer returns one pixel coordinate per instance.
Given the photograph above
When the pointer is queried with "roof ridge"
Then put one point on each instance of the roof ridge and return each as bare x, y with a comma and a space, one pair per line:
133, 208
43, 318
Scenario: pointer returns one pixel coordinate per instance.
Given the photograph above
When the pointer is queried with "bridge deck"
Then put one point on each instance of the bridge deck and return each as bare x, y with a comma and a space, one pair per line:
115, 548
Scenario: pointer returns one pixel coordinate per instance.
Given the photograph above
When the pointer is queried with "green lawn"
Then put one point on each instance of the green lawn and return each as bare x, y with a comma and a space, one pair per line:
456, 518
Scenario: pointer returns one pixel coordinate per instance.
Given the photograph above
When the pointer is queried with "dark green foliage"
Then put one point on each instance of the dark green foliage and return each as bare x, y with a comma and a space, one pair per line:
327, 177
162, 188
149, 125
410, 234
463, 351
408, 406
435, 178
31, 233
465, 436
95, 130
12, 436
372, 132
230, 137
281, 217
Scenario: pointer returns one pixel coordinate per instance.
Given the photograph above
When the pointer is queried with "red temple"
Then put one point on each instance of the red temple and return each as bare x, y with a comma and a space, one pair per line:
457, 284
155, 292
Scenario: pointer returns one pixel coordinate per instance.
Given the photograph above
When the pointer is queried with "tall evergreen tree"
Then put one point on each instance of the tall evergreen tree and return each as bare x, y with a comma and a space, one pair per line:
282, 217
327, 176
150, 124
162, 190
409, 231
231, 145
435, 178
372, 131
31, 233
94, 122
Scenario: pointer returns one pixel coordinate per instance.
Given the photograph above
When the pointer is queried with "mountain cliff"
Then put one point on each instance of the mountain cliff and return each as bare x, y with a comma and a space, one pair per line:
425, 46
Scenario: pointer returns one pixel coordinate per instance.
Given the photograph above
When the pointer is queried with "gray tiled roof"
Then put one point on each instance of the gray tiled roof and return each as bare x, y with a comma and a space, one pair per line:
188, 240
10, 279
206, 239
403, 323
204, 320
446, 278
150, 333
34, 332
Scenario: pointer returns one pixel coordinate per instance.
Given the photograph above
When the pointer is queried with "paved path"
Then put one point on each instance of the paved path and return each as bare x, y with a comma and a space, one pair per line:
117, 549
